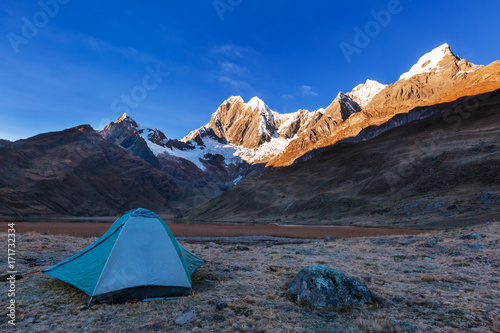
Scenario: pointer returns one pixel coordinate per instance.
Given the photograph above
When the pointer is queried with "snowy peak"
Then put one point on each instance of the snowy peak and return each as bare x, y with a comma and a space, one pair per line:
125, 126
257, 104
429, 62
234, 99
126, 120
364, 93
122, 118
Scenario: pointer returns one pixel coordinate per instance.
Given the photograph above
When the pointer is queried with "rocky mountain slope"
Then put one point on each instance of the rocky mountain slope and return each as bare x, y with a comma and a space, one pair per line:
250, 132
76, 172
427, 173
240, 140
438, 77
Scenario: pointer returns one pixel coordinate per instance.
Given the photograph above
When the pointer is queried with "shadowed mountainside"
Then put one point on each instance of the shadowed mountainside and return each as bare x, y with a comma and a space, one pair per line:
76, 172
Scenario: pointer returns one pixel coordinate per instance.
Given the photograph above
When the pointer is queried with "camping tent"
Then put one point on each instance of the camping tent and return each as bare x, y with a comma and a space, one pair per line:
137, 258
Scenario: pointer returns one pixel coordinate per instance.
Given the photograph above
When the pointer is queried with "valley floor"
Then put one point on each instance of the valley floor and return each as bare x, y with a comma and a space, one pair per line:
438, 281
201, 231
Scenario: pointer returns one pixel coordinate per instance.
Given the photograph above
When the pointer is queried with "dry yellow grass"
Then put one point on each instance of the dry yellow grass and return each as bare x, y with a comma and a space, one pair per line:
438, 288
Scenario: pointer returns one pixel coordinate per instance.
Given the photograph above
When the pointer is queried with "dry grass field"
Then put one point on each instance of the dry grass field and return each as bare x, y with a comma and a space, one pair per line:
432, 282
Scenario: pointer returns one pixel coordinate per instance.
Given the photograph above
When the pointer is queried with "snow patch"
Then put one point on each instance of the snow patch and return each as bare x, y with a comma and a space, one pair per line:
197, 155
364, 93
237, 180
287, 120
232, 154
256, 103
346, 100
428, 62
273, 147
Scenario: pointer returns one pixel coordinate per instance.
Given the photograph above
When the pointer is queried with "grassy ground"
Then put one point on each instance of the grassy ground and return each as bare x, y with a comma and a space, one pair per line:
442, 287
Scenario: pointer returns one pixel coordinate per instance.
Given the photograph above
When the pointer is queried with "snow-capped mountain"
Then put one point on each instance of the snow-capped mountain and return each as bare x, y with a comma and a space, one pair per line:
126, 133
437, 60
246, 133
240, 139
429, 62
364, 93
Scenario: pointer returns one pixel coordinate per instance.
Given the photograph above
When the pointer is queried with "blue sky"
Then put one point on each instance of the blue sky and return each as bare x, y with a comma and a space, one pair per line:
77, 62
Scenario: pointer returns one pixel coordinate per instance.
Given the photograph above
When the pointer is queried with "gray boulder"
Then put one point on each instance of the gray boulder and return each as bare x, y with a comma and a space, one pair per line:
323, 288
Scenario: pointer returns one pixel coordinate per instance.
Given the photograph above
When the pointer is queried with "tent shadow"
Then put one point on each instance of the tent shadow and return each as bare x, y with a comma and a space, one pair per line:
63, 292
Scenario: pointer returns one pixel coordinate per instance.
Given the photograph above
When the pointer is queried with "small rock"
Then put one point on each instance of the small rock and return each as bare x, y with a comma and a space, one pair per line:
474, 246
428, 258
33, 262
187, 316
327, 314
220, 305
429, 244
451, 207
242, 248
472, 236
329, 239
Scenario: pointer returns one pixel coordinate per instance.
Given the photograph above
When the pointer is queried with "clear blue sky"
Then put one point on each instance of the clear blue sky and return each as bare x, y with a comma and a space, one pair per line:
86, 54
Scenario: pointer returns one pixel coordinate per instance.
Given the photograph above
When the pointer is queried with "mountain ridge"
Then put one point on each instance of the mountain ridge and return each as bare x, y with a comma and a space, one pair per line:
250, 132
426, 173
241, 140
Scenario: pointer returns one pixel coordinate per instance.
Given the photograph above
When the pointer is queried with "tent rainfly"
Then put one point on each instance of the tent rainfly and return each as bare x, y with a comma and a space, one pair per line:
137, 258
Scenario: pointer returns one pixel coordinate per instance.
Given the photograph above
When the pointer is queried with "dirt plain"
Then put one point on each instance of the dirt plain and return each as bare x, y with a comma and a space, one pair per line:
202, 231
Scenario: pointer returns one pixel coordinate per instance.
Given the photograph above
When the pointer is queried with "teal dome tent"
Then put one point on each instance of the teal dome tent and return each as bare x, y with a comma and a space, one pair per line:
137, 258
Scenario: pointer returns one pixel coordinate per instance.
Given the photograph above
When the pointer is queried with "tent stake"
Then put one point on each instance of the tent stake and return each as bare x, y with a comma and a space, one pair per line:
87, 307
